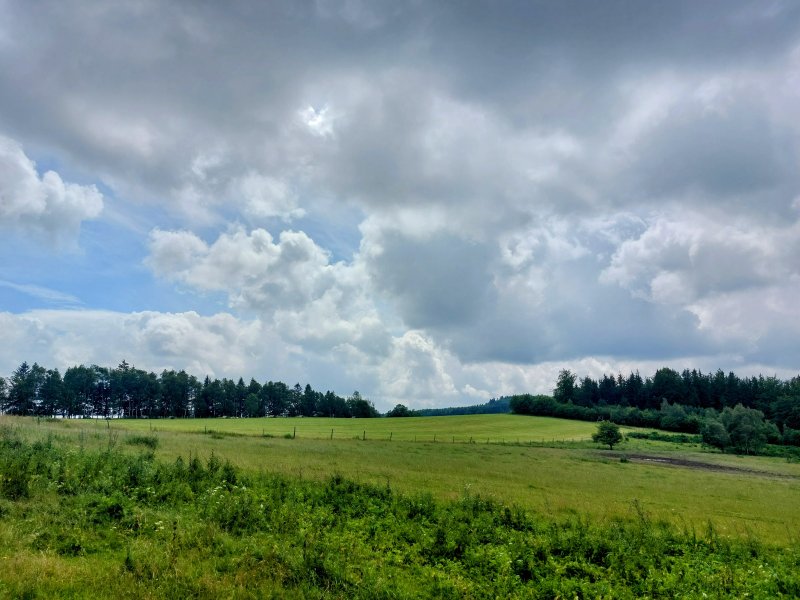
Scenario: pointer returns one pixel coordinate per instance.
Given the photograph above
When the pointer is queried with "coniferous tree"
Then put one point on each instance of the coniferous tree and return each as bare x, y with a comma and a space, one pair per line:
565, 386
22, 391
3, 395
51, 393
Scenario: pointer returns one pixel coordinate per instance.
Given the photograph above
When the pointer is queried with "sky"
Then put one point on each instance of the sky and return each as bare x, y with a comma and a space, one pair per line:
431, 203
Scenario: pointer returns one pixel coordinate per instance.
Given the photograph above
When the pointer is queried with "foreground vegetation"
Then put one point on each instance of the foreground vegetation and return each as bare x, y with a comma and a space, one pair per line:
83, 522
744, 497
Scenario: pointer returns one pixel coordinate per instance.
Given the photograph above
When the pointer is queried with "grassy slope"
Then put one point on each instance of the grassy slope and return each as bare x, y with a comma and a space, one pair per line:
100, 524
495, 428
574, 479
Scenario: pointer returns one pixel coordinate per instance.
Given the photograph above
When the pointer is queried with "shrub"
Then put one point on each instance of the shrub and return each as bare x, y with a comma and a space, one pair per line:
714, 434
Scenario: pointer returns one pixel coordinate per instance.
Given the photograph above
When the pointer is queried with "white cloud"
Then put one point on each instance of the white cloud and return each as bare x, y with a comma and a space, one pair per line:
416, 372
679, 261
318, 121
290, 282
266, 197
42, 293
218, 345
43, 204
256, 272
558, 192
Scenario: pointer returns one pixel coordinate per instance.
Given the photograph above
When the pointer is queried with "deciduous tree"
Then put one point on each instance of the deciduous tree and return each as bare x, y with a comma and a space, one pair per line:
607, 433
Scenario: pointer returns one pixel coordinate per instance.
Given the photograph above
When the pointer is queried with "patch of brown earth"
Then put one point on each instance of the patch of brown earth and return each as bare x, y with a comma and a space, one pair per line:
692, 464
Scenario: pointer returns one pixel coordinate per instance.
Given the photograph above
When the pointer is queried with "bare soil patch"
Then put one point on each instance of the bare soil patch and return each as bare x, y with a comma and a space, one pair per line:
671, 461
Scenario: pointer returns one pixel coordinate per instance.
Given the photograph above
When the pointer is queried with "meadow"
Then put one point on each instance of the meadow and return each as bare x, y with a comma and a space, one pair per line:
257, 509
461, 428
541, 464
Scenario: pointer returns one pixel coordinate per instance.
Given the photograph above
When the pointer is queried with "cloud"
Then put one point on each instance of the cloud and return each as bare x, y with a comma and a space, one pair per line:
719, 141
42, 293
683, 260
217, 345
678, 260
258, 273
416, 371
443, 281
267, 197
45, 205
423, 200
290, 281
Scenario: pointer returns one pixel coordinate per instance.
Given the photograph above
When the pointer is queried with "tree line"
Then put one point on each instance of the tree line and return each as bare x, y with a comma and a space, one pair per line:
492, 407
688, 388
728, 411
128, 392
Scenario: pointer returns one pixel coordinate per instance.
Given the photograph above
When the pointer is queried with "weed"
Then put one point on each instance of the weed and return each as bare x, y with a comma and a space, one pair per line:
195, 528
148, 441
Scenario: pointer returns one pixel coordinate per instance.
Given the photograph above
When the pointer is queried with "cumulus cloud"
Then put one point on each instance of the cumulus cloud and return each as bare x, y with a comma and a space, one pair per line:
267, 197
259, 272
600, 186
680, 260
44, 204
219, 345
291, 281
417, 371
737, 279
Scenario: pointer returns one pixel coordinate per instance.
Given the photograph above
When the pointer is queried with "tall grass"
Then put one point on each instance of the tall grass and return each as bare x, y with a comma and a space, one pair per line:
561, 480
105, 523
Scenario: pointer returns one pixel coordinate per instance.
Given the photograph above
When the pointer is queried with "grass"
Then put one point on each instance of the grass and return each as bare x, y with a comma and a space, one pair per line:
461, 428
87, 521
560, 479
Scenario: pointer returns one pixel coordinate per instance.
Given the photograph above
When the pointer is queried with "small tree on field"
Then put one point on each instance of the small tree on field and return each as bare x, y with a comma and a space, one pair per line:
607, 433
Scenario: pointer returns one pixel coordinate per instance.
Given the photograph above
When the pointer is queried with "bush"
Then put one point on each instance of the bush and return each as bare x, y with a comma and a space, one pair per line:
713, 433
679, 438
791, 437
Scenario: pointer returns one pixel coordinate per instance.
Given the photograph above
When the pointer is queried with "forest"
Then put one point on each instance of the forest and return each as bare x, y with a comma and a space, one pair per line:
128, 392
728, 411
743, 414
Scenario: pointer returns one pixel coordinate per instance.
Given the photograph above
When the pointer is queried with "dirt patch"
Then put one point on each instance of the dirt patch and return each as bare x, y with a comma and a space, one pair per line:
670, 461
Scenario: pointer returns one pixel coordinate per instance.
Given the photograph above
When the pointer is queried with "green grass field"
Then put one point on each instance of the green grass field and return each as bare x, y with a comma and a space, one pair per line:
551, 476
478, 428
